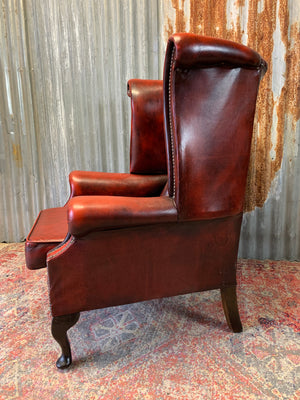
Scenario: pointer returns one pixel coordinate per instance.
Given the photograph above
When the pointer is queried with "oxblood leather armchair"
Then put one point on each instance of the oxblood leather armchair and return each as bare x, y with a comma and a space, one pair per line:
172, 225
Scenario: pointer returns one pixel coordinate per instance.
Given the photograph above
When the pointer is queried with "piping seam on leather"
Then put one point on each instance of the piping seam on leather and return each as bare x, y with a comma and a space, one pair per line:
171, 126
62, 250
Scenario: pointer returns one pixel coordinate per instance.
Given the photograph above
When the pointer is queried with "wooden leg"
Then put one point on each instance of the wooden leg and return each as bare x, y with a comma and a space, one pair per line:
230, 308
59, 328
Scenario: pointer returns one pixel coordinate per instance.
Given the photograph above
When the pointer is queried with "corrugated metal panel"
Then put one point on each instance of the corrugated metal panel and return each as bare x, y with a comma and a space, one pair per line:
82, 54
271, 227
19, 164
63, 72
65, 66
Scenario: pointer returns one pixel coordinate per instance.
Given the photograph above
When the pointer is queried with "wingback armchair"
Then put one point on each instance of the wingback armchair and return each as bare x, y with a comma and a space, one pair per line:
171, 226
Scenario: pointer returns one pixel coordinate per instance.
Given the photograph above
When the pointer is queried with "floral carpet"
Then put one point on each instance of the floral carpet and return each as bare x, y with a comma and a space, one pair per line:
173, 348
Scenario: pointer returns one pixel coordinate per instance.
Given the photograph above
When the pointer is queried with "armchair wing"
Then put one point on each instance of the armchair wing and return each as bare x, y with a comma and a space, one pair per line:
210, 87
147, 151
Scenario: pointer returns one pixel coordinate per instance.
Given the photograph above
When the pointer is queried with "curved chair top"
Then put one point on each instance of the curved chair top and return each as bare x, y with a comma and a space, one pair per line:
193, 51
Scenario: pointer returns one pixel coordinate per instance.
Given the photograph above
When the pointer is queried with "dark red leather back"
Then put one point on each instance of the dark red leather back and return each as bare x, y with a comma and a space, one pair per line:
210, 88
147, 146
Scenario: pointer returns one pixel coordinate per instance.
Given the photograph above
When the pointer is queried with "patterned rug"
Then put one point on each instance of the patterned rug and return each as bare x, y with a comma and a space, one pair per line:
174, 348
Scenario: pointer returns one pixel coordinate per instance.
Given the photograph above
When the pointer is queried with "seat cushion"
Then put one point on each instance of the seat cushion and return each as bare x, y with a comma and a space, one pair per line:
48, 231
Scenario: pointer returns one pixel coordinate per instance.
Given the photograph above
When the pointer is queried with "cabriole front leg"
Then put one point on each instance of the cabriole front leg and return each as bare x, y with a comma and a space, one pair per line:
60, 326
230, 307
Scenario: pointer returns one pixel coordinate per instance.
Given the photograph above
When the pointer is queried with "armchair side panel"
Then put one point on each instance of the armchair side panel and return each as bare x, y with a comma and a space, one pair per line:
123, 266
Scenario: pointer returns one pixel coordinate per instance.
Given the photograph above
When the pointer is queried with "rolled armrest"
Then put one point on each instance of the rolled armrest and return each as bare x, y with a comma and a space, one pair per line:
90, 213
85, 183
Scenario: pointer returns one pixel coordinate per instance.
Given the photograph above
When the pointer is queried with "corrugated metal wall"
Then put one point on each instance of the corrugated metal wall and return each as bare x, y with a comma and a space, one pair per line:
64, 105
63, 72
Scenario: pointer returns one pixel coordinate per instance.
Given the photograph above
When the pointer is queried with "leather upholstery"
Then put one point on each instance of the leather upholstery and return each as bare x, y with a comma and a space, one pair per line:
87, 214
131, 237
122, 266
85, 183
48, 231
147, 151
209, 108
193, 51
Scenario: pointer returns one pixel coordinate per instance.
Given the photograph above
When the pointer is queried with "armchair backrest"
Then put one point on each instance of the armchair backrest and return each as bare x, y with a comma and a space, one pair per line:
147, 143
210, 90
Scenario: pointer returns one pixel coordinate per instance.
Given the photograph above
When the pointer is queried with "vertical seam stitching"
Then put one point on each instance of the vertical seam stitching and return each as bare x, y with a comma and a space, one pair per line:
171, 125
